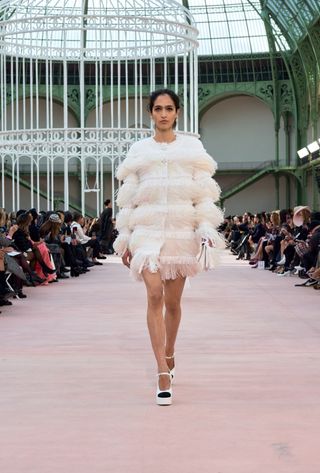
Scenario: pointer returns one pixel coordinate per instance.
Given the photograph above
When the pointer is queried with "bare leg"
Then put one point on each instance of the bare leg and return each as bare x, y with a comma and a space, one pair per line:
172, 296
156, 324
259, 253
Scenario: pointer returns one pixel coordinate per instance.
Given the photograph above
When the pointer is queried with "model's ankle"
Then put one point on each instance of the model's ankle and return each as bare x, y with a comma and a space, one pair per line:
169, 352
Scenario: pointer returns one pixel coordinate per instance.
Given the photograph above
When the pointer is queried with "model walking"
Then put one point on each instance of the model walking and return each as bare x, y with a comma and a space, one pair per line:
167, 210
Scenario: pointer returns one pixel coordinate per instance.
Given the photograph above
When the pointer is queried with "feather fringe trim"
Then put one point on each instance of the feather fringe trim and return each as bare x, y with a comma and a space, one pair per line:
175, 216
178, 190
207, 211
131, 194
120, 245
153, 233
170, 267
206, 187
204, 162
142, 260
123, 219
174, 271
127, 166
126, 194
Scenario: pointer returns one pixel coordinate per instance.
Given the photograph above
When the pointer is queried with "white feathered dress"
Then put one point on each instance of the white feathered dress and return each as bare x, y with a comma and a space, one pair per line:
167, 206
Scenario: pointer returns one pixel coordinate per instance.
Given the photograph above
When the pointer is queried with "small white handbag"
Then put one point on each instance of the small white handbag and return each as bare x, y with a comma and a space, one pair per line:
208, 256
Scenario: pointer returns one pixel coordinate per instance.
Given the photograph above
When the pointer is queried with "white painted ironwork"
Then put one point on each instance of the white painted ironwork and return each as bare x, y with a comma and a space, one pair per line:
75, 79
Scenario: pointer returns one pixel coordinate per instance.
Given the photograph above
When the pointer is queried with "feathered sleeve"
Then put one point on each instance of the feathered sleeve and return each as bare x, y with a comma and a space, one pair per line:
208, 215
125, 201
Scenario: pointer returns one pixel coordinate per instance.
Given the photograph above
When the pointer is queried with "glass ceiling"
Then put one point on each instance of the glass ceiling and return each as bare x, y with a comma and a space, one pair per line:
229, 27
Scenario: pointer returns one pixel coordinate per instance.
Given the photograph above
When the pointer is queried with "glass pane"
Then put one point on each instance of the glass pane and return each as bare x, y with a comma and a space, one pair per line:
238, 28
219, 30
256, 28
259, 44
221, 46
241, 45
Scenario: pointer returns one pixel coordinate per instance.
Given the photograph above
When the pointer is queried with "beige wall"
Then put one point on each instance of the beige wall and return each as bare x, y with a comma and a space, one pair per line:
25, 120
92, 118
239, 133
239, 130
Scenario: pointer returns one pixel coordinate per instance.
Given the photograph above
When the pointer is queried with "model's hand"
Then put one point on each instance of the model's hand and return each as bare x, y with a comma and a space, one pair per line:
207, 241
126, 258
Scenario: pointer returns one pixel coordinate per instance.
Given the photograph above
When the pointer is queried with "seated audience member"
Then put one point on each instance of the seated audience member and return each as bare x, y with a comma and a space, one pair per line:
309, 257
85, 240
94, 229
12, 219
4, 290
34, 227
50, 233
301, 218
18, 263
75, 253
272, 232
256, 233
285, 218
244, 226
234, 233
3, 221
265, 248
3, 287
36, 252
226, 228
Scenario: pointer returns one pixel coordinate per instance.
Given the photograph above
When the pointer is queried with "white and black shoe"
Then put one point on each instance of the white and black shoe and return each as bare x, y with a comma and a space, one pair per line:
164, 398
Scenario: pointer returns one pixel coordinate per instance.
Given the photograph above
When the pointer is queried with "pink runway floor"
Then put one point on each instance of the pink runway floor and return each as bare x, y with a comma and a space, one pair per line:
77, 377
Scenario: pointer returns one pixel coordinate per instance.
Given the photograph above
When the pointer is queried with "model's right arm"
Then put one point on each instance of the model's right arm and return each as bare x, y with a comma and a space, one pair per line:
125, 201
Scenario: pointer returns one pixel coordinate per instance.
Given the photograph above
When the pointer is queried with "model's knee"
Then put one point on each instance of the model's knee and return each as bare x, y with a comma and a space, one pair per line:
173, 307
155, 298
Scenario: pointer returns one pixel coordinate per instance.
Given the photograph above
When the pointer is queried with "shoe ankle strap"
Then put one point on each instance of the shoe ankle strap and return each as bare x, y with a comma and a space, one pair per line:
170, 357
164, 372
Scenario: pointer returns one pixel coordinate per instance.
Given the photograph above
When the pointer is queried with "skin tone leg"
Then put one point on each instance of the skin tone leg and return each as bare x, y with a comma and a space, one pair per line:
156, 323
163, 331
172, 296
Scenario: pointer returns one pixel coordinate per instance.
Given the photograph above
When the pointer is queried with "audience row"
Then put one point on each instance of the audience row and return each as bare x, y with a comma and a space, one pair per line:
39, 249
286, 242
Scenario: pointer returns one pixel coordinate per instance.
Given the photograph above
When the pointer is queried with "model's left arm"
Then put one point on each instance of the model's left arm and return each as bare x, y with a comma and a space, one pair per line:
208, 215
125, 200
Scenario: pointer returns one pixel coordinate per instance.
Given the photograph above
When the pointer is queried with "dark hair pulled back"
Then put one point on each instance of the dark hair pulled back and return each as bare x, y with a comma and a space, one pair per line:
156, 93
